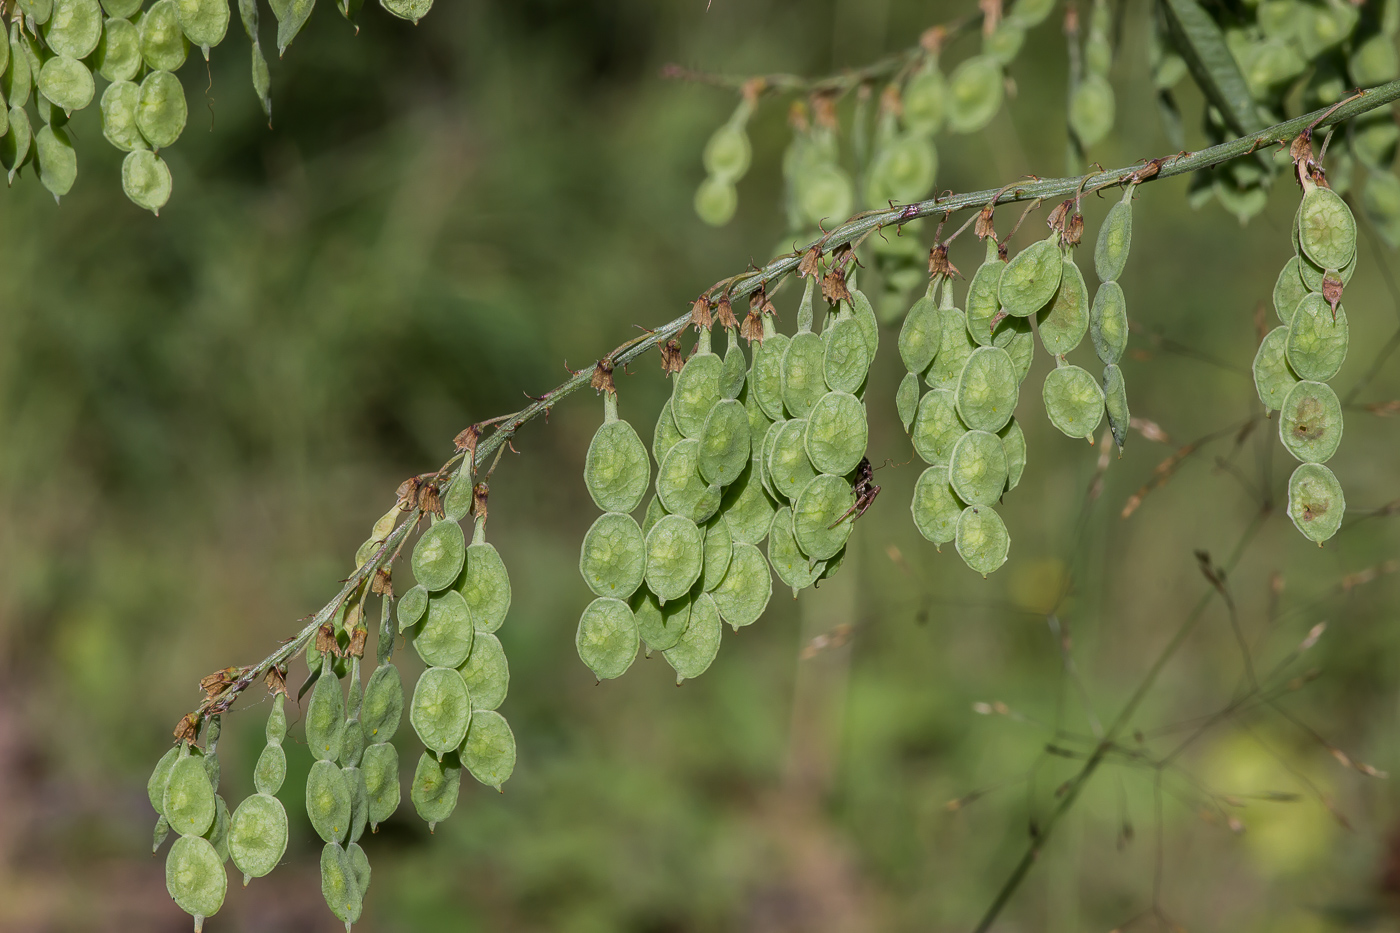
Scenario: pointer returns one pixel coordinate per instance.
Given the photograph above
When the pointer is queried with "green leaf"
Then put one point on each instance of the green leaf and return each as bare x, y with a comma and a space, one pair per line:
1214, 69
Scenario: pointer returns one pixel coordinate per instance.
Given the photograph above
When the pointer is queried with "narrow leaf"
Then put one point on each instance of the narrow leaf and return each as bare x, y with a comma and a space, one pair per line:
1202, 45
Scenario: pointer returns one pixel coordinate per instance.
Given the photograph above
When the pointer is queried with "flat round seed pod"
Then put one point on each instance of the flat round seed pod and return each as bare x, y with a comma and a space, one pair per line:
765, 461
338, 885
846, 360
162, 111
817, 516
359, 801
122, 9
728, 152
381, 771
204, 22
1073, 401
607, 637
696, 650
746, 507
257, 835
982, 540
488, 751
444, 637
977, 468
988, 389
937, 426
864, 315
1014, 335
724, 443
758, 421
359, 865
925, 100
617, 471
1115, 403
822, 191
276, 729
1115, 239
613, 558
162, 40
655, 512
58, 163
352, 748
955, 346
1013, 440
146, 180
803, 382
1317, 344
195, 877
155, 786
906, 400
1310, 422
18, 78
675, 554
1312, 274
791, 565
983, 296
660, 626
439, 555
1091, 109
328, 800
440, 709
1272, 378
718, 548
1108, 322
1064, 322
1315, 501
680, 487
1031, 278
67, 83
1326, 229
271, 770
188, 801
412, 10
435, 787
744, 592
766, 375
696, 391
1289, 289
486, 673
919, 337
411, 606
382, 706
837, 433
160, 833
735, 374
74, 28
975, 94
903, 170
485, 585
665, 435
217, 833
15, 145
788, 463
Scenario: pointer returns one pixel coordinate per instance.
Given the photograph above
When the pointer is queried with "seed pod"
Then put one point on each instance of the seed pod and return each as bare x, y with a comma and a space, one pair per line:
735, 374
675, 551
257, 835
1108, 322
161, 831
666, 434
607, 637
837, 433
1032, 278
204, 22
15, 145
457, 503
484, 583
1312, 274
217, 834
67, 83
412, 606
696, 650
846, 360
758, 421
975, 94
864, 316
924, 99
983, 298
486, 673
660, 626
271, 770
162, 41
616, 470
1115, 403
328, 801
921, 334
1073, 401
58, 163
822, 191
724, 443
276, 729
359, 801
435, 787
381, 771
444, 637
195, 878
1091, 109
488, 751
123, 9
746, 507
338, 885
1064, 322
987, 390
74, 28
412, 10
441, 709
146, 180
1326, 229
982, 539
906, 400
118, 56
802, 379
188, 801
383, 703
1315, 502
439, 555
765, 461
1288, 289
718, 548
680, 487
766, 375
1013, 439
18, 79
38, 11
614, 556
937, 426
727, 152
788, 463
352, 748
901, 171
817, 515
1317, 344
791, 565
160, 777
696, 390
955, 346
655, 512
1310, 422
1272, 378
359, 866
977, 468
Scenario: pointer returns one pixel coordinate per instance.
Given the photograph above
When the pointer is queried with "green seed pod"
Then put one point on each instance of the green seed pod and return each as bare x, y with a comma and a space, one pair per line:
724, 443
983, 298
195, 877
359, 867
675, 553
1091, 109
383, 704
276, 729
746, 507
977, 468
119, 52
162, 41
1326, 229
679, 485
162, 112
484, 583
788, 463
975, 93
766, 375
188, 802
486, 673
158, 837
338, 885
1064, 322
457, 503
328, 801
74, 28
435, 787
696, 650
38, 11
1115, 403
412, 10
1312, 274
489, 749
988, 389
728, 152
696, 390
864, 315
718, 548
271, 770
817, 516
906, 400
846, 360
1315, 502
160, 777
937, 426
666, 435
441, 709
1014, 336
822, 192
735, 374
146, 180
758, 420
616, 471
352, 748
1004, 41
1032, 278
381, 770
58, 163
439, 555
121, 9
1108, 322
1310, 422
744, 592
660, 626
14, 145
924, 100
217, 833
1289, 289
1013, 439
954, 347
837, 433
902, 171
412, 605
1073, 401
119, 104
920, 336
257, 835
802, 379
935, 508
982, 540
359, 801
655, 512
1272, 378
791, 565
444, 637
765, 455
607, 637
1317, 343
67, 83
204, 22
614, 556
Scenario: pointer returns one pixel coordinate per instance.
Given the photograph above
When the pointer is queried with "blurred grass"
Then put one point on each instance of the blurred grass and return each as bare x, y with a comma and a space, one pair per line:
202, 414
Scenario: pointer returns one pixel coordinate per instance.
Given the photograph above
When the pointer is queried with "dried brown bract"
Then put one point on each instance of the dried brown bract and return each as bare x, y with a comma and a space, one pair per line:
480, 494
214, 684
811, 261
671, 358
725, 314
983, 228
383, 582
602, 380
187, 728
700, 314
938, 263
325, 640
752, 328
429, 500
358, 637
468, 439
408, 493
276, 680
834, 286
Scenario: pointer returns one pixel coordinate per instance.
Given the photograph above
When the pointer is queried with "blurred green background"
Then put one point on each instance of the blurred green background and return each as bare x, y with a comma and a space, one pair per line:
202, 414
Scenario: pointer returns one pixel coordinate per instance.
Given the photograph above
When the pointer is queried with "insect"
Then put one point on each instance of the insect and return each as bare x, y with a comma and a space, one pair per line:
865, 490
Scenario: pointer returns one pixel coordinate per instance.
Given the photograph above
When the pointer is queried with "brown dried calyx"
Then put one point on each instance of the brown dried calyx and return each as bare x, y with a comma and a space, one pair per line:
671, 358
700, 314
752, 328
602, 380
481, 492
325, 640
983, 227
811, 262
834, 285
468, 439
276, 680
214, 684
1332, 291
383, 582
187, 729
358, 636
430, 500
933, 38
724, 315
1066, 221
1306, 169
938, 263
